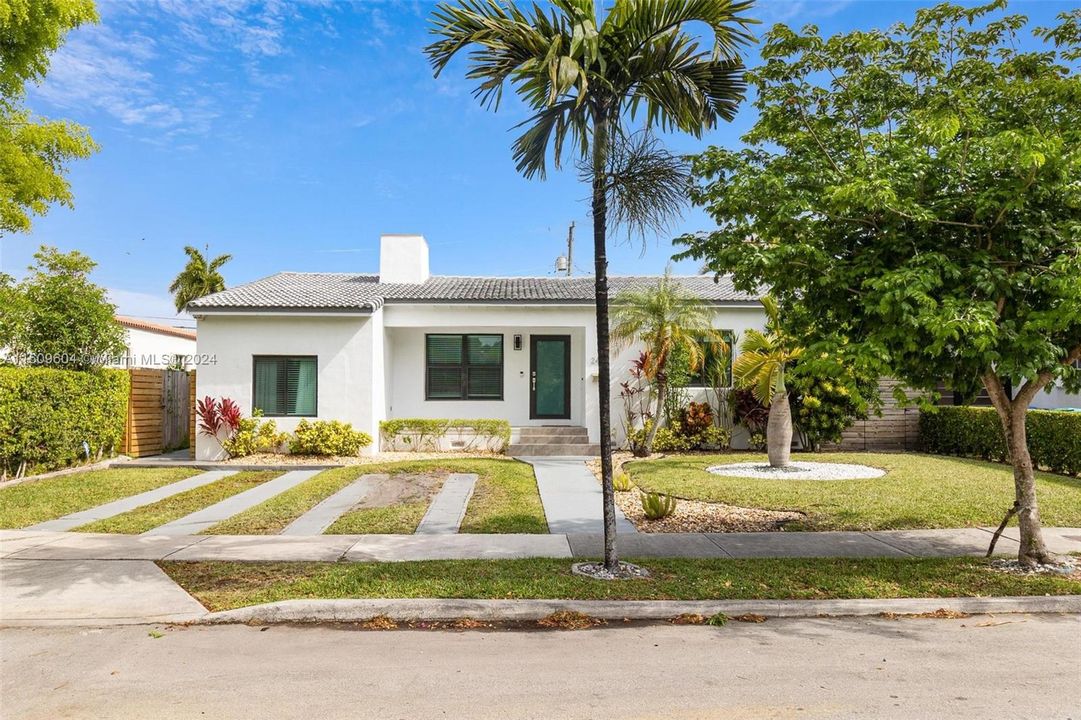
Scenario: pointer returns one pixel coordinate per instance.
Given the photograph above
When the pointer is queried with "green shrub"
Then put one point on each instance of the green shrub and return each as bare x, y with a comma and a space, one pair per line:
676, 438
46, 414
715, 437
254, 435
419, 434
327, 437
1054, 436
657, 506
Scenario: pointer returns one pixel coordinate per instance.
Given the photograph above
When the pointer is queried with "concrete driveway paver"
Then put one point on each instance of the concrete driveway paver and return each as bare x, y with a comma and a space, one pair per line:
208, 517
323, 515
688, 545
13, 541
571, 497
447, 510
803, 544
43, 592
394, 548
123, 505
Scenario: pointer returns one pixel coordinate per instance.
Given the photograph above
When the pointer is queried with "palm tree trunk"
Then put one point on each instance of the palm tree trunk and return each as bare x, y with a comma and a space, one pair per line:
600, 260
779, 431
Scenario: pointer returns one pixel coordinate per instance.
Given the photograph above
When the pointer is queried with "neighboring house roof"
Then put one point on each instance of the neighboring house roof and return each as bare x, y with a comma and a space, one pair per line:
147, 326
364, 293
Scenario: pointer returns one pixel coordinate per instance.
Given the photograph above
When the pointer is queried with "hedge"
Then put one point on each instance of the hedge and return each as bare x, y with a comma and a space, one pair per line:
46, 414
1054, 436
419, 434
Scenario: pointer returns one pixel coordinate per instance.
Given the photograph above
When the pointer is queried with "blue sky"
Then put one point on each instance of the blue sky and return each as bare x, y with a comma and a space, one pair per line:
292, 134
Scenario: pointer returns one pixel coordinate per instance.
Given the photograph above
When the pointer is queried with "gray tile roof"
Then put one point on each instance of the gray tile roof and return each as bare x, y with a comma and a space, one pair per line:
357, 292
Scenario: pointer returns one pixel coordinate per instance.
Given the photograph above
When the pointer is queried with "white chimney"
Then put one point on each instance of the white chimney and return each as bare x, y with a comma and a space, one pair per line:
403, 259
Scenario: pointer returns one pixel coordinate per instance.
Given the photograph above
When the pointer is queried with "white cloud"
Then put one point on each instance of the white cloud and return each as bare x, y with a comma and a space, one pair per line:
797, 12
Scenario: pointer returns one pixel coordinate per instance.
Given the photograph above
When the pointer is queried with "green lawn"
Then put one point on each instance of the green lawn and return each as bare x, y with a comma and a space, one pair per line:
400, 519
505, 500
36, 501
226, 585
151, 516
918, 491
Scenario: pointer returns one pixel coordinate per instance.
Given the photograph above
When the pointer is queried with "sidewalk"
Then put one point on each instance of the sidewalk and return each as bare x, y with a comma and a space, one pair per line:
39, 545
81, 578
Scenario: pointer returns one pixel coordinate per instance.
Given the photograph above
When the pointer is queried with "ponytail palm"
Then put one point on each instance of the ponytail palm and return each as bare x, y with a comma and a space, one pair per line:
761, 367
583, 79
667, 320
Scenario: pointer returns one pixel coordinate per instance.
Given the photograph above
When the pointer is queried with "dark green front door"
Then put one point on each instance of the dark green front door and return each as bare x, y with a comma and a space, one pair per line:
549, 377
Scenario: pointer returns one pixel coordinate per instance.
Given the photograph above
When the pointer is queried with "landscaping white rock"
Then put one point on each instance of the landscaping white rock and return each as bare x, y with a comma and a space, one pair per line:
798, 471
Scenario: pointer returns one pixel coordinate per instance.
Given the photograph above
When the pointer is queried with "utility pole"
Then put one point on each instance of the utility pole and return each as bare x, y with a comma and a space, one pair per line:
570, 249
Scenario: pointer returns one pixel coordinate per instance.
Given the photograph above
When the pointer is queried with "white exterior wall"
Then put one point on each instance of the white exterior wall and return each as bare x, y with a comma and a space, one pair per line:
343, 345
146, 349
373, 367
1057, 398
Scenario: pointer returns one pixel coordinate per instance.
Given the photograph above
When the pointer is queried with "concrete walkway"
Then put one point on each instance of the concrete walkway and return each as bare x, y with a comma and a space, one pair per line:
447, 509
30, 545
123, 505
571, 496
208, 517
323, 515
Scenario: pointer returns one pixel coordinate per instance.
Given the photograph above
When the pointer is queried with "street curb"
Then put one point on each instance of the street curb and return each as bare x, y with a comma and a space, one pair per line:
330, 611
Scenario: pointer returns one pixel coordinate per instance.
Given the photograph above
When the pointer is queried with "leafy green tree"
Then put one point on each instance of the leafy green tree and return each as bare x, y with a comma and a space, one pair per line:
761, 366
916, 192
199, 278
585, 79
34, 151
673, 325
57, 317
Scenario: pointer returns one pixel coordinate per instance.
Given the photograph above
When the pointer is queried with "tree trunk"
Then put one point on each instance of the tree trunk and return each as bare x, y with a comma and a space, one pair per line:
1012, 414
600, 260
647, 445
779, 431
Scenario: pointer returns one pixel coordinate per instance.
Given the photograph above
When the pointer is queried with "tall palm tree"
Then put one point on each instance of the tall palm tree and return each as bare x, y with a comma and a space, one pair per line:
199, 278
667, 319
584, 79
761, 366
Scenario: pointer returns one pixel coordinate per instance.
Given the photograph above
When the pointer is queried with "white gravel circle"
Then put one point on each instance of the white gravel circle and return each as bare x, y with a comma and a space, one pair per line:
798, 471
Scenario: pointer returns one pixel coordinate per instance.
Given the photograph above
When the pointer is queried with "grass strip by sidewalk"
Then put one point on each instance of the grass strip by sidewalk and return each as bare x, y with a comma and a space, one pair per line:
227, 585
505, 500
36, 501
399, 519
917, 491
151, 516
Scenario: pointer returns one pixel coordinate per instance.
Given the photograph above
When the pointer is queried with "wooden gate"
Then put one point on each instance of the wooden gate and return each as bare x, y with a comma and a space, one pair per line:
159, 412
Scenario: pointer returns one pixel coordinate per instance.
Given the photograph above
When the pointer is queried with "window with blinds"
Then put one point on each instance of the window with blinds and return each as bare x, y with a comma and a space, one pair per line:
285, 386
463, 367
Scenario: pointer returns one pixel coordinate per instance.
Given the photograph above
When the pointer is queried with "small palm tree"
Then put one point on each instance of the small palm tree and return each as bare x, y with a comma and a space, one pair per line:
667, 320
199, 278
584, 78
761, 367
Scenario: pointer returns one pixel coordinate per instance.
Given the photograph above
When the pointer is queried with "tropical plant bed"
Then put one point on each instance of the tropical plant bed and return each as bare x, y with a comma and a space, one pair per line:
228, 585
917, 491
275, 459
693, 516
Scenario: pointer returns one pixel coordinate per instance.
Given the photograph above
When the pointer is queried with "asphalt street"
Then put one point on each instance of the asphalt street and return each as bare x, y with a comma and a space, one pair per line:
1017, 666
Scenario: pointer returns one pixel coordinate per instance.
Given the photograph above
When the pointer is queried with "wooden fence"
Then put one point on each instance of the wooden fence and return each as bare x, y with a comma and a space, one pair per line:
896, 429
159, 412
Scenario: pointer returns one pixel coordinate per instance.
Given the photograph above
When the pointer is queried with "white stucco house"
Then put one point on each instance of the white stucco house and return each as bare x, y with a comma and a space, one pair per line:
153, 345
403, 343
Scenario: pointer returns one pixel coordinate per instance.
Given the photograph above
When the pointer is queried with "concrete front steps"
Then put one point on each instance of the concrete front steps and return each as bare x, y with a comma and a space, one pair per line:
552, 441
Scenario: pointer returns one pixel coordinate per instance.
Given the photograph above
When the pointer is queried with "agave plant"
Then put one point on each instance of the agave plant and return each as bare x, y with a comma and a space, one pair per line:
622, 482
657, 506
761, 367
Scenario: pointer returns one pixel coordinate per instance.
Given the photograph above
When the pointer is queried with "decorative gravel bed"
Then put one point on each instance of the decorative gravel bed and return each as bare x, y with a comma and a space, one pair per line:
798, 471
694, 515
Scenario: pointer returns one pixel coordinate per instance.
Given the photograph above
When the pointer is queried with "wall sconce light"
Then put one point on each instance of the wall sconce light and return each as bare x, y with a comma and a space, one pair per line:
517, 342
